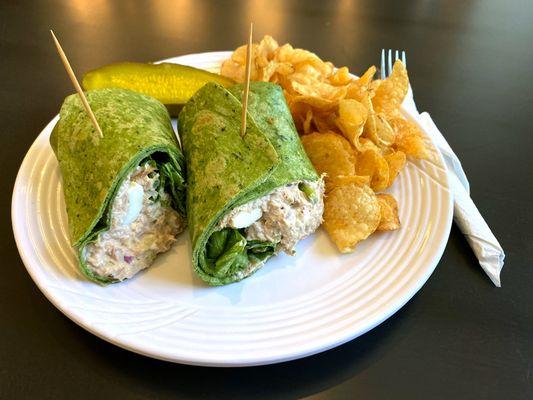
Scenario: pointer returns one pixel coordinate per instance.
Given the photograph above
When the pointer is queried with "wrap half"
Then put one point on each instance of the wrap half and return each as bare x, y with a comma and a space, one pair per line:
124, 192
248, 197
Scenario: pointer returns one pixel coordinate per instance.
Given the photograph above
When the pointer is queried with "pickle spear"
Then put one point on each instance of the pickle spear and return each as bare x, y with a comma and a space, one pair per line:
171, 84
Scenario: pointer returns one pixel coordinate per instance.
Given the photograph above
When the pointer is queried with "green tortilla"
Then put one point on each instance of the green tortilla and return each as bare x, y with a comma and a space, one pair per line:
135, 128
226, 170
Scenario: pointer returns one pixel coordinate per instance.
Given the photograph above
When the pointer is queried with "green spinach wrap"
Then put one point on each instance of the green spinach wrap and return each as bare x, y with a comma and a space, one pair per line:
125, 191
248, 197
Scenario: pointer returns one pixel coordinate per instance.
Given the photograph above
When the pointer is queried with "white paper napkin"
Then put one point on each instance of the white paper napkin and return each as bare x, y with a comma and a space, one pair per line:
466, 215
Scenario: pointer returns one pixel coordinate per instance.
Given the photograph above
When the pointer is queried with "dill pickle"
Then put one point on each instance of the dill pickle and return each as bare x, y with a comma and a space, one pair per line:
171, 84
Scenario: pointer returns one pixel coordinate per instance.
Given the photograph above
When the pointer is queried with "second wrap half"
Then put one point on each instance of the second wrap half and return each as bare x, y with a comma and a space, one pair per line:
226, 170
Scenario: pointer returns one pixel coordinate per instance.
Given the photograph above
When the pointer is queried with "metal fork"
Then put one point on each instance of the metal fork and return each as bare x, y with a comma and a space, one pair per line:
454, 165
486, 247
387, 62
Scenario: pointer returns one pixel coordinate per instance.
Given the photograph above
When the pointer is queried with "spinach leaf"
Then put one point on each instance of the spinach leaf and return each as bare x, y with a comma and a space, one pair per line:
228, 251
234, 256
257, 246
170, 181
173, 182
217, 243
259, 251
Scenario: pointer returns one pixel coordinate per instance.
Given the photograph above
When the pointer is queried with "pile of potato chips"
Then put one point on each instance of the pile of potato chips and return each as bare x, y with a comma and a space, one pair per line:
352, 130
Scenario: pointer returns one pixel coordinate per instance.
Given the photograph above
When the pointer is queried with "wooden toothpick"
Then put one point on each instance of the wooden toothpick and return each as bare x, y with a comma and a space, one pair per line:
76, 84
247, 80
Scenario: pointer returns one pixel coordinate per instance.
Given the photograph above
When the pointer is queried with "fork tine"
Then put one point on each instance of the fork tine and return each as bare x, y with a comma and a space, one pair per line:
387, 62
390, 63
382, 69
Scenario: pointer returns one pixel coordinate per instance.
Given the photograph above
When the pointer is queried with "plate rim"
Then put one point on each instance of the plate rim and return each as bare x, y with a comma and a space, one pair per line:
413, 289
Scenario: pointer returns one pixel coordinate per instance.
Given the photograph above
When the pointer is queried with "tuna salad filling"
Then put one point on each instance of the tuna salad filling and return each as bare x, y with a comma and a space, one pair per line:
143, 223
251, 233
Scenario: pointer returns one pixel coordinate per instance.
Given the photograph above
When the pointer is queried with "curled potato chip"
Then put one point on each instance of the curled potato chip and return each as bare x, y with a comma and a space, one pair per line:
367, 144
351, 214
359, 88
341, 77
284, 68
370, 128
232, 69
235, 66
287, 53
351, 121
409, 138
319, 103
367, 77
266, 48
373, 86
371, 163
324, 121
330, 153
389, 220
306, 73
384, 133
341, 180
299, 114
391, 91
396, 161
266, 73
314, 89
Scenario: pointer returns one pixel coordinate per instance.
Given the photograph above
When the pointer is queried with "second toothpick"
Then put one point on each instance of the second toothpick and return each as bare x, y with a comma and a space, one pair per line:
247, 80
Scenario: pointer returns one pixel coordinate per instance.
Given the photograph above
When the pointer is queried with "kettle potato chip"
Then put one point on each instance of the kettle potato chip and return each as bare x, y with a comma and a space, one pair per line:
391, 91
389, 220
351, 214
384, 132
370, 126
341, 77
351, 120
371, 163
341, 180
409, 138
330, 153
396, 161
360, 88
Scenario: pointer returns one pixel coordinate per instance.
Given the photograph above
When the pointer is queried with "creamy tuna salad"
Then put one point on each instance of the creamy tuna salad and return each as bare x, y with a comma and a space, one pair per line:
283, 217
143, 224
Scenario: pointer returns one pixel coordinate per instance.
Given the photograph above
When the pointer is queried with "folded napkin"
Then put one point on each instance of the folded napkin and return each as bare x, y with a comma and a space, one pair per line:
466, 215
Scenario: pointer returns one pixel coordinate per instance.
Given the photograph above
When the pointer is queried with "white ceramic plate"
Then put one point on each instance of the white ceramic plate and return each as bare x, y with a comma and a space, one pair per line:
293, 307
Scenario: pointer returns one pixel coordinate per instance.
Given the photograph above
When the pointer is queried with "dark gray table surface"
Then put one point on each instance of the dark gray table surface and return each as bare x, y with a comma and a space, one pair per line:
459, 338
